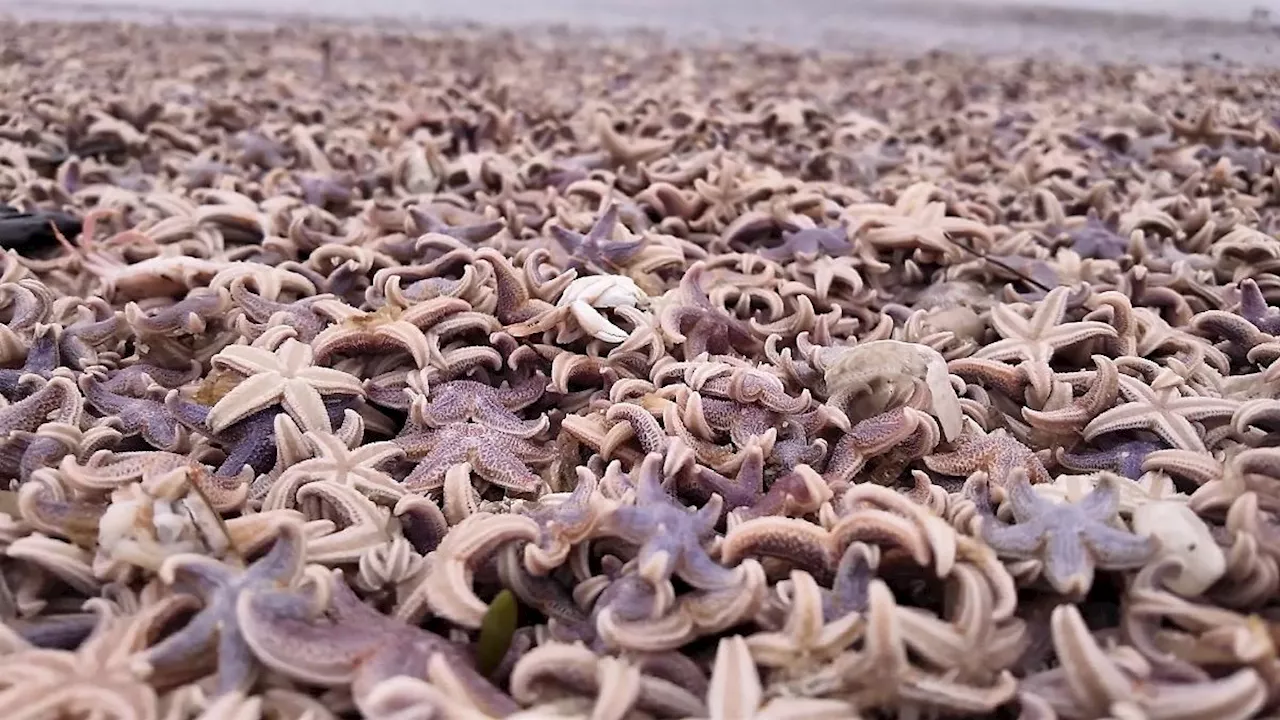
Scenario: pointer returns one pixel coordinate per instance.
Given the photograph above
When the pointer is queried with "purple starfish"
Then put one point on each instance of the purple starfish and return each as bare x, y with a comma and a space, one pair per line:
1122, 458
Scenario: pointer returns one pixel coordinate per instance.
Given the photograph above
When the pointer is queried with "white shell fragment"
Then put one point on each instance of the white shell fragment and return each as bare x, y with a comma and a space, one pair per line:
1182, 534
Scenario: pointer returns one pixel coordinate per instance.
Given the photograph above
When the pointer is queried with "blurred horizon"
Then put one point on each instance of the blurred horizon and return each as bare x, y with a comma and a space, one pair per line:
1160, 31
550, 10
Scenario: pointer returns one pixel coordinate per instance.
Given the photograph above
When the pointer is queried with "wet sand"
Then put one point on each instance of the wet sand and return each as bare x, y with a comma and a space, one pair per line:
1184, 32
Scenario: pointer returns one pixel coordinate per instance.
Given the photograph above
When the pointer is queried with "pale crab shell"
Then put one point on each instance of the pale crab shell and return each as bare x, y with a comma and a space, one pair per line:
583, 296
1182, 534
894, 358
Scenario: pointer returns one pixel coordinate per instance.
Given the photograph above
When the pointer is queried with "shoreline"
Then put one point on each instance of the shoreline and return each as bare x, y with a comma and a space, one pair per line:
910, 27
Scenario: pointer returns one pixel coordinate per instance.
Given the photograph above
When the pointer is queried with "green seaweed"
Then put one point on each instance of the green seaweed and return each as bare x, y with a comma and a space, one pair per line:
496, 631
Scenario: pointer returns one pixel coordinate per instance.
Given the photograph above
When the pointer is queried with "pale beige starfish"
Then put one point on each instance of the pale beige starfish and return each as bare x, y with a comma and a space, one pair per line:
284, 375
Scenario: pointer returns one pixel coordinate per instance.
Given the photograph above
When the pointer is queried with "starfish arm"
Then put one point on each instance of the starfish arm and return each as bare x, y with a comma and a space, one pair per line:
283, 563
1238, 696
1070, 334
502, 467
284, 635
1068, 567
253, 394
494, 415
188, 646
430, 470
246, 360
1118, 549
1020, 541
303, 403
236, 662
1103, 502
1176, 430
1203, 408
329, 381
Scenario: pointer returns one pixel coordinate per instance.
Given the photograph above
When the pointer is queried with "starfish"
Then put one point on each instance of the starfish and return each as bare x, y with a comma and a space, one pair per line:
495, 456
285, 376
1103, 384
57, 400
333, 460
349, 643
1096, 239
1161, 408
299, 314
656, 684
467, 400
326, 190
1091, 682
252, 440
1070, 539
795, 494
355, 525
887, 671
672, 538
190, 315
700, 326
1034, 341
810, 638
1253, 307
794, 448
742, 385
809, 243
699, 484
736, 691
996, 454
96, 324
514, 303
390, 328
867, 439
1238, 334
870, 513
596, 251
42, 358
422, 222
1008, 380
223, 589
915, 222
1123, 458
564, 520
136, 379
147, 417
100, 673
25, 452
744, 422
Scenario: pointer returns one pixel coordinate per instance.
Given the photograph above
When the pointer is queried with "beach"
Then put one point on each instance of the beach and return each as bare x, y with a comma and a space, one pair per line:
1237, 31
639, 360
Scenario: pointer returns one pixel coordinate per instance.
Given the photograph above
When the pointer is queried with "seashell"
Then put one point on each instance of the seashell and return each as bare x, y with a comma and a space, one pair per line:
1183, 535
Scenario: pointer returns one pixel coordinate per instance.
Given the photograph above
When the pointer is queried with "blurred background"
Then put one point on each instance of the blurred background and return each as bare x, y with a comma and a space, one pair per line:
1144, 30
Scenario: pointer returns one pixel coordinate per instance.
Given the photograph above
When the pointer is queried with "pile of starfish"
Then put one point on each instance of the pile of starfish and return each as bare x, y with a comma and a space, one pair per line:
554, 376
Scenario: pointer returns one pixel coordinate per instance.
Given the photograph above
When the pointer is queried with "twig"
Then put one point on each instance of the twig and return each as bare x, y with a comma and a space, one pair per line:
1000, 264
